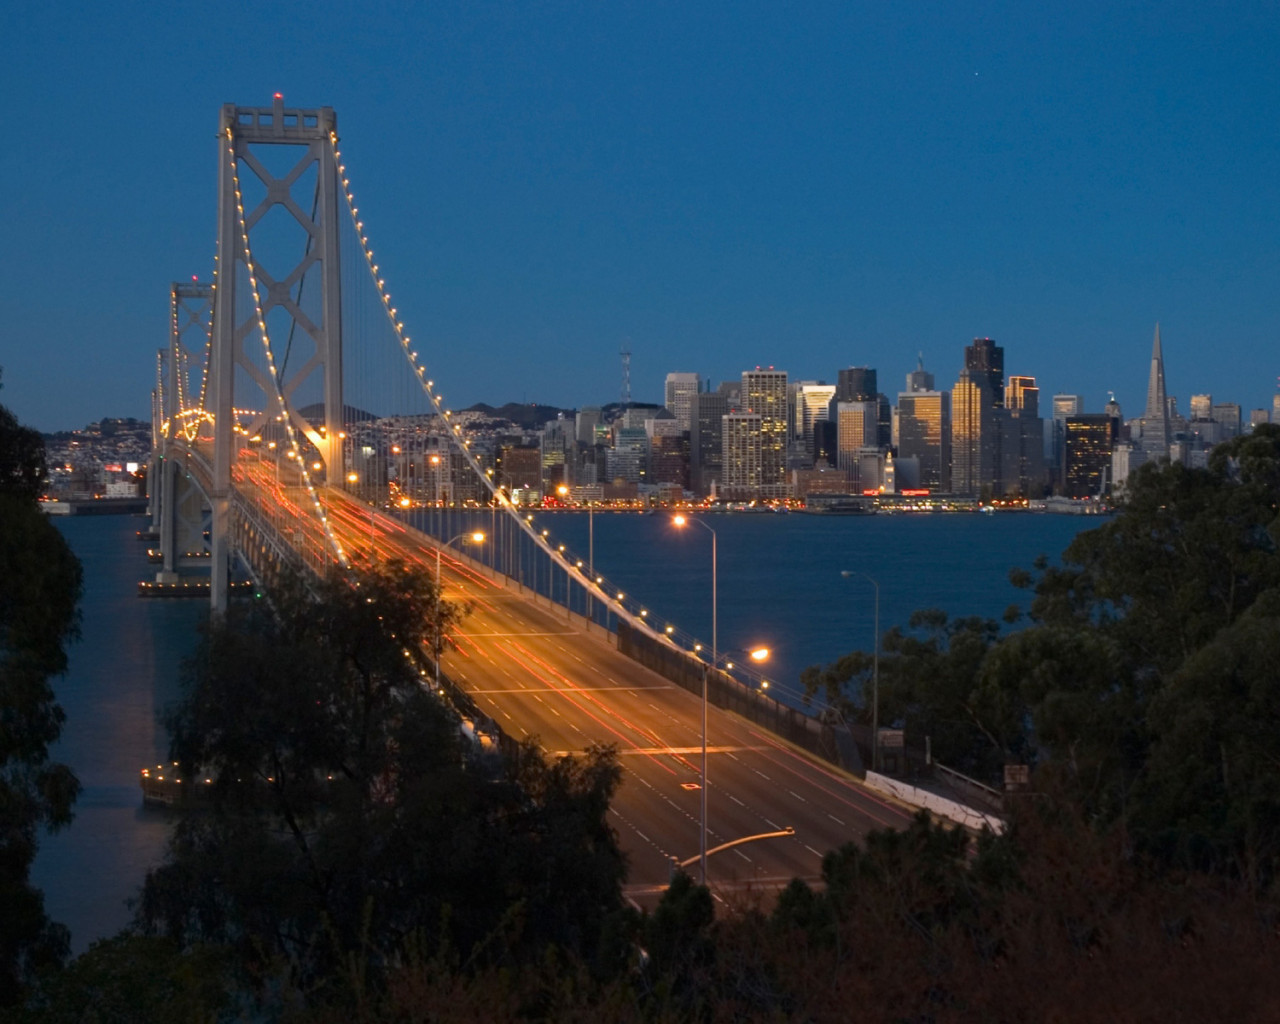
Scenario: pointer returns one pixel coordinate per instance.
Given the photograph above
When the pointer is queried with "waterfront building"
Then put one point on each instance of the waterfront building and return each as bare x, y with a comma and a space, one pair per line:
975, 452
764, 393
857, 430
1089, 442
1063, 406
1022, 441
679, 390
742, 449
924, 435
706, 411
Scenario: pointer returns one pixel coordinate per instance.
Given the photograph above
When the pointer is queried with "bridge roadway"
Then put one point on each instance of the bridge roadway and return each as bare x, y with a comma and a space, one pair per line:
542, 673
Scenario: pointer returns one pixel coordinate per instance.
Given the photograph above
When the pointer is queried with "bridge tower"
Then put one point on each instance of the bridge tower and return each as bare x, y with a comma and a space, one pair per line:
178, 415
312, 135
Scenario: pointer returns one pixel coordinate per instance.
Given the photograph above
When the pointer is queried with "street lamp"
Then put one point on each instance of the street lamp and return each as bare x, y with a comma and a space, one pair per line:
476, 538
875, 671
681, 521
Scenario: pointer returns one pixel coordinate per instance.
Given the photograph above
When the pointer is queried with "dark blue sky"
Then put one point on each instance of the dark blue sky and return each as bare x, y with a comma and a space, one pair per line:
713, 186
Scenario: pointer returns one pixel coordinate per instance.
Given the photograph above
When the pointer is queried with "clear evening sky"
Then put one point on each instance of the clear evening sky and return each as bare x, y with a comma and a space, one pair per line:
714, 187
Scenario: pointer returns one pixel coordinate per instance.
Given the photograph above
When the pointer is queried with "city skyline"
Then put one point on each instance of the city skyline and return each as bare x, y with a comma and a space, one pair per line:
711, 190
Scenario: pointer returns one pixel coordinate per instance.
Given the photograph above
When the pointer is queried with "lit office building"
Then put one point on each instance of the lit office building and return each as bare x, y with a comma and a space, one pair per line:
924, 434
975, 450
741, 449
1022, 442
764, 393
1089, 441
984, 358
810, 403
857, 430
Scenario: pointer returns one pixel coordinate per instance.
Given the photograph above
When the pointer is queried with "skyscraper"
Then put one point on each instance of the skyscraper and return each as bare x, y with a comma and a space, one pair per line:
1022, 441
810, 402
856, 384
742, 449
984, 357
919, 379
974, 447
706, 410
924, 434
680, 387
764, 392
857, 431
1156, 433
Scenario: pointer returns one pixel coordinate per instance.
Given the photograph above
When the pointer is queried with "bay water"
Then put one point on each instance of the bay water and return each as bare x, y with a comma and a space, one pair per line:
779, 584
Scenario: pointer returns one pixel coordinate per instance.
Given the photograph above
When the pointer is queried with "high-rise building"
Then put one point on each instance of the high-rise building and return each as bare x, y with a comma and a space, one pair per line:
919, 379
742, 447
1022, 444
984, 357
586, 421
810, 402
975, 453
1063, 406
668, 453
1228, 416
628, 459
557, 447
706, 410
680, 388
857, 431
856, 384
764, 392
1156, 431
1090, 440
1201, 408
1275, 408
1022, 395
924, 434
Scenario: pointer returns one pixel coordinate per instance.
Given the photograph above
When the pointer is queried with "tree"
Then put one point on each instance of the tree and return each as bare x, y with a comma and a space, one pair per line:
930, 684
40, 584
348, 816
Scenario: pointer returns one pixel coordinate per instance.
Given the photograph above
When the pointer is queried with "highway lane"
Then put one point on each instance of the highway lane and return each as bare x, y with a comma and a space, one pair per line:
538, 672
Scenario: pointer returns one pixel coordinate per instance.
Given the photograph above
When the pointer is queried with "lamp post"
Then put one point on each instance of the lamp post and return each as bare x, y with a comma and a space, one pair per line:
875, 671
476, 538
681, 521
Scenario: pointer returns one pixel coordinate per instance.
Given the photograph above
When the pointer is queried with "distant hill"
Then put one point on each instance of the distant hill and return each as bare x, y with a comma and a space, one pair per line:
527, 417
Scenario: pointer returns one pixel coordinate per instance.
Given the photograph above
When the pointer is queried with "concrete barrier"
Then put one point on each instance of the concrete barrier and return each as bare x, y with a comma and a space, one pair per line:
939, 805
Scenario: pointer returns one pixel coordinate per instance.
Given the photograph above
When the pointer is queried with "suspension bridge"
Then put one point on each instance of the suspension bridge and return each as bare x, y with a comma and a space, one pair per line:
296, 423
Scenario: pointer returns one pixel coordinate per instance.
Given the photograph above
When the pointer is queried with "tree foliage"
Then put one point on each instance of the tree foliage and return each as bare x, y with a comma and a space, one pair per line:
348, 815
40, 584
1143, 685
